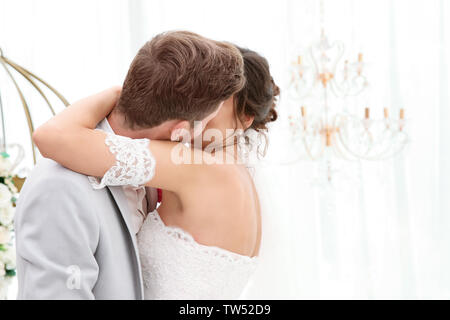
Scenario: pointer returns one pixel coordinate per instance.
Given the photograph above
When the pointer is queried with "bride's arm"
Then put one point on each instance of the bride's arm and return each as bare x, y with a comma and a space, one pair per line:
69, 138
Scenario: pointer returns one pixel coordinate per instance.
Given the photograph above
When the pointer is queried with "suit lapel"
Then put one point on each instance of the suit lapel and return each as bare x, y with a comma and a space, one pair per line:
122, 204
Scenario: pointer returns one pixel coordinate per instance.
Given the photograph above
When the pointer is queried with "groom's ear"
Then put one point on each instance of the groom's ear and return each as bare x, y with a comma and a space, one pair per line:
181, 131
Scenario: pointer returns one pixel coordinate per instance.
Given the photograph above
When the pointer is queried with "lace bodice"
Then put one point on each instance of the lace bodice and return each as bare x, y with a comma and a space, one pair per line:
175, 266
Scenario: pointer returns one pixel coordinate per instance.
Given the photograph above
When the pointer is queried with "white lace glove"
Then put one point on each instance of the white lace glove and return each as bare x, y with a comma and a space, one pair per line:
135, 165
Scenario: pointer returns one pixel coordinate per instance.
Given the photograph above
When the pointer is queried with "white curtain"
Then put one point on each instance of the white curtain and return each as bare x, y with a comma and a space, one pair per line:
383, 233
79, 47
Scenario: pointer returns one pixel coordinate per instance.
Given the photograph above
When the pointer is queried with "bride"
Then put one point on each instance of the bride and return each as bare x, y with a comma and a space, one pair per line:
204, 239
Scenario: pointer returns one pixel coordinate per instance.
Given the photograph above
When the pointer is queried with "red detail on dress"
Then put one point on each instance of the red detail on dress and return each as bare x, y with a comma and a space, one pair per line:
159, 195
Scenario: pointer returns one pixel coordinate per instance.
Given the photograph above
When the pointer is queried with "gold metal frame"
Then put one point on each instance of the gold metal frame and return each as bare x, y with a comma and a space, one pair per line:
33, 80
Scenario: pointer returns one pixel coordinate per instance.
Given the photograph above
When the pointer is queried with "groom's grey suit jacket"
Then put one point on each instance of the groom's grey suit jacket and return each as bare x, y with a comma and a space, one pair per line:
74, 242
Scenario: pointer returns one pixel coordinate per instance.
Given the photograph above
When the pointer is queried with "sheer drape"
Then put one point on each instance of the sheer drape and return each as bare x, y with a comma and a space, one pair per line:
381, 234
385, 234
79, 47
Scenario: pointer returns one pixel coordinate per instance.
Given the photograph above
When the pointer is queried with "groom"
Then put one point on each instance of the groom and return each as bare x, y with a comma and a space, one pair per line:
74, 242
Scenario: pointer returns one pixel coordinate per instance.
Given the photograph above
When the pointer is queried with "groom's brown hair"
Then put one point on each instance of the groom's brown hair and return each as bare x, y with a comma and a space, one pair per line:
179, 75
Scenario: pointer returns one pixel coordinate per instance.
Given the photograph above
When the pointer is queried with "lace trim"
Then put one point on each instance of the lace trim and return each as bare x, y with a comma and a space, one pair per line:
189, 241
135, 165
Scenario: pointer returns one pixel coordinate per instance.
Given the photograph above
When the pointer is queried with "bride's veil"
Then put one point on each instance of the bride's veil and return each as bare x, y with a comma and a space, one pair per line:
270, 280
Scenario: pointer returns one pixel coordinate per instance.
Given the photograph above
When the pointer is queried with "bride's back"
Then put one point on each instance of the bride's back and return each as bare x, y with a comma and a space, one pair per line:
202, 242
223, 211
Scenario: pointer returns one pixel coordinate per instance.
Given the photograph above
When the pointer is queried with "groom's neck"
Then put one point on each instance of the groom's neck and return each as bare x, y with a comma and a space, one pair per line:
117, 123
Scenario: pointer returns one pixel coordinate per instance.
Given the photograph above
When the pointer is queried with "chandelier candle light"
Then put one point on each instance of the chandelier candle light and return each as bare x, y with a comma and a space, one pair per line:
328, 129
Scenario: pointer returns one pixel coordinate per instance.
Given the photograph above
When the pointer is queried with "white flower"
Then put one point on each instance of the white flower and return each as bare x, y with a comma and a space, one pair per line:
4, 284
8, 258
2, 269
6, 214
5, 166
5, 235
5, 195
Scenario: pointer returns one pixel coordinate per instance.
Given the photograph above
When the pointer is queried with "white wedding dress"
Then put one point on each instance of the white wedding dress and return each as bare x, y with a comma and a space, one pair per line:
174, 265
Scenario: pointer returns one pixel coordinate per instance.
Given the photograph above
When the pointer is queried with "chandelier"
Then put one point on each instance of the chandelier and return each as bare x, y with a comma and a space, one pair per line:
325, 123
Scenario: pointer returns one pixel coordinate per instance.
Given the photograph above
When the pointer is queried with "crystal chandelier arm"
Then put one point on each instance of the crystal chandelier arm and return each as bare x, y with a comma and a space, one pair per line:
307, 92
361, 89
380, 156
391, 151
336, 87
313, 58
336, 146
340, 153
383, 153
371, 139
25, 107
341, 49
400, 148
59, 95
347, 149
309, 152
337, 90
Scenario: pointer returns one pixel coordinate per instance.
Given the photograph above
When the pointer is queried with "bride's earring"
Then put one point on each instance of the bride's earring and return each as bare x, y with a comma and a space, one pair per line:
243, 146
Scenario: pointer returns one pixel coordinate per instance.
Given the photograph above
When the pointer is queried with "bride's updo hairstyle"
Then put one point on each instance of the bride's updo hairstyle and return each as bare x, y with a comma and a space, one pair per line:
259, 96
